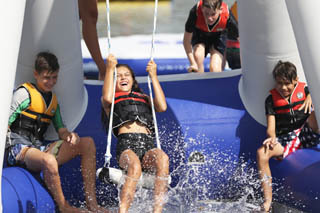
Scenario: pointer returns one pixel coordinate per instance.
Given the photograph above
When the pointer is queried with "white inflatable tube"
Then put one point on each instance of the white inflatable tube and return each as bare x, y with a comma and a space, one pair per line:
53, 26
11, 20
266, 36
305, 18
115, 176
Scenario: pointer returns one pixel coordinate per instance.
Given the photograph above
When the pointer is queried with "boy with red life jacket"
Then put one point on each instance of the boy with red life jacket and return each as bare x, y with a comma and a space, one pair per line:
206, 32
291, 123
33, 108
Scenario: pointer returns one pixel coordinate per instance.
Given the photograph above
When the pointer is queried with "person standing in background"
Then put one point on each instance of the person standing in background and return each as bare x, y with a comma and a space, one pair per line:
206, 32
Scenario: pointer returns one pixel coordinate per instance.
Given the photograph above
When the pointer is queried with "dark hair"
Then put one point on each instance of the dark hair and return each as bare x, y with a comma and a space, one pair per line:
285, 71
215, 4
135, 85
46, 61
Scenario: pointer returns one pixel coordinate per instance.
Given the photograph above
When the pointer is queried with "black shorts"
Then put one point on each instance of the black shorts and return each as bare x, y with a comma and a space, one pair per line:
233, 58
139, 143
213, 40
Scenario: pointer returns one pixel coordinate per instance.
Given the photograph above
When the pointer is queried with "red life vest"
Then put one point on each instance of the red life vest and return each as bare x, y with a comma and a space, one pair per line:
135, 96
288, 117
220, 24
131, 106
281, 105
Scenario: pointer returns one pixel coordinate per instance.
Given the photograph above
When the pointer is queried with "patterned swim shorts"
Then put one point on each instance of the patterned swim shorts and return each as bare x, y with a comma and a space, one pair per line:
16, 152
303, 137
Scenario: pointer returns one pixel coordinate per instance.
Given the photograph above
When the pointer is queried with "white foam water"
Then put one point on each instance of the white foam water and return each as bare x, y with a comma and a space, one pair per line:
218, 183
193, 193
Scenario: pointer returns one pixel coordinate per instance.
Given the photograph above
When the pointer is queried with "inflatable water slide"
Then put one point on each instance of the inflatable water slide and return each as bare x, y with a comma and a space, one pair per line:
211, 117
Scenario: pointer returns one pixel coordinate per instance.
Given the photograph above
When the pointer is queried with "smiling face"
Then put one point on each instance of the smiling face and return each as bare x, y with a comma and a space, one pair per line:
211, 11
46, 80
124, 79
285, 87
285, 76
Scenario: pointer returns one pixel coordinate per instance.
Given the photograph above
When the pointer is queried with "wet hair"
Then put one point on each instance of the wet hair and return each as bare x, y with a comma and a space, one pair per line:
135, 85
215, 4
46, 61
285, 71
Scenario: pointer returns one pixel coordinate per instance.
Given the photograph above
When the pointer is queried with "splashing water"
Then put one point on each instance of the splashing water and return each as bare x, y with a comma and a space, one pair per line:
193, 190
215, 182
220, 182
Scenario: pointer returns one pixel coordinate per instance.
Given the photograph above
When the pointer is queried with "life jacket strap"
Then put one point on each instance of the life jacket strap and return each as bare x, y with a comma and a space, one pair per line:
288, 106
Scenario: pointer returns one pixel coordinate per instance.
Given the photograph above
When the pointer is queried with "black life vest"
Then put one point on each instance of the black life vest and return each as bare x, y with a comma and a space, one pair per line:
34, 121
288, 117
132, 106
220, 24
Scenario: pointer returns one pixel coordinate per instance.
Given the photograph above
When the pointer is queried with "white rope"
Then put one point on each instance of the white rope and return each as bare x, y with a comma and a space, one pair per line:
108, 155
149, 80
108, 26
108, 152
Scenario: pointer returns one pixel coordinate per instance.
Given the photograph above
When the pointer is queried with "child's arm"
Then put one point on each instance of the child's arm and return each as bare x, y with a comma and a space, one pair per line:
188, 49
20, 102
64, 134
189, 29
107, 90
271, 126
159, 98
271, 131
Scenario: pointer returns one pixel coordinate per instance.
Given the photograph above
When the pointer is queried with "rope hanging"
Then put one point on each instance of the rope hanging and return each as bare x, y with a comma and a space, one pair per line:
108, 152
149, 79
108, 174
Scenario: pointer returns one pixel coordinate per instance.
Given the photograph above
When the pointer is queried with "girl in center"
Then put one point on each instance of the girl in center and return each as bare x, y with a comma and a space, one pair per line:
134, 128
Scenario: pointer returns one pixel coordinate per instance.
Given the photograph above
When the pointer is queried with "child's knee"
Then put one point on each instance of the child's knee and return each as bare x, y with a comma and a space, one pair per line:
134, 170
163, 159
262, 154
199, 54
215, 67
87, 144
50, 164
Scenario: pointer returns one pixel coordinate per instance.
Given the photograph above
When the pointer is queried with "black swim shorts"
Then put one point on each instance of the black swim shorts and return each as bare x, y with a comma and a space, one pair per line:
213, 40
139, 143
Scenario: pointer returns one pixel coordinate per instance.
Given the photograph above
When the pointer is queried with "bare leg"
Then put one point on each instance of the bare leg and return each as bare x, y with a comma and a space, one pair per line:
216, 61
37, 161
130, 162
87, 151
199, 51
89, 15
156, 159
264, 153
